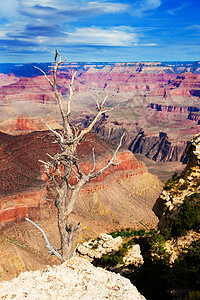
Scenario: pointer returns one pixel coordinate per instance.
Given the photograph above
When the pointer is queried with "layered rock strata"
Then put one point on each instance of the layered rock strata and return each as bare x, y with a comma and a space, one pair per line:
22, 188
159, 148
24, 124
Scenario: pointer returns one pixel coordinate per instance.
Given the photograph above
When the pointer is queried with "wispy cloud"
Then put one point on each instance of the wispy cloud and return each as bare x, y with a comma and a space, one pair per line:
75, 10
103, 27
37, 22
193, 27
41, 36
174, 10
31, 31
143, 7
147, 45
101, 37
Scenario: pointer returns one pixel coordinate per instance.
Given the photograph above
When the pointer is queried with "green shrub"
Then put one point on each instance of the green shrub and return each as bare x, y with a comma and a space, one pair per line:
116, 257
157, 247
188, 217
127, 232
187, 267
171, 182
184, 186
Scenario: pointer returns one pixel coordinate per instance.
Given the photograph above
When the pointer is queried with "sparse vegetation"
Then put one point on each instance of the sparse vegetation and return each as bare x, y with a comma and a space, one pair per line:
157, 243
157, 278
187, 268
127, 232
185, 185
188, 217
116, 257
171, 182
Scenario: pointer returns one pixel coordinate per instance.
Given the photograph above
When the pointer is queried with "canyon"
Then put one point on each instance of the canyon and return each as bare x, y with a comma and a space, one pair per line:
122, 196
153, 98
157, 105
23, 179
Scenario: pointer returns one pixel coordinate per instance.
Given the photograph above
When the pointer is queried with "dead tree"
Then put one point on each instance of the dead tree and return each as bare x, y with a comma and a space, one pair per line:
62, 166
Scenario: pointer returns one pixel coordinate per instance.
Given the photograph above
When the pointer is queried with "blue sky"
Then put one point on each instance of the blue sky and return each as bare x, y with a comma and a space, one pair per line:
121, 31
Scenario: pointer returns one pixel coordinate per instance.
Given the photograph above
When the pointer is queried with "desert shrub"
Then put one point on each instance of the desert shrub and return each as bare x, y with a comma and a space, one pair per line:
186, 267
166, 233
116, 257
184, 186
110, 260
170, 183
127, 233
188, 217
157, 246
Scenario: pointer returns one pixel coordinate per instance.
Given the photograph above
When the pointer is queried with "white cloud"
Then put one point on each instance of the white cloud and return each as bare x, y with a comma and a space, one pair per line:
195, 27
8, 8
108, 7
143, 7
173, 10
73, 9
101, 37
146, 45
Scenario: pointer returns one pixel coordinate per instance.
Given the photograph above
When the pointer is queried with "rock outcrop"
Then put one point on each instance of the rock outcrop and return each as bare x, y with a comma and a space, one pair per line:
96, 248
106, 244
173, 108
174, 246
177, 189
25, 89
186, 84
75, 279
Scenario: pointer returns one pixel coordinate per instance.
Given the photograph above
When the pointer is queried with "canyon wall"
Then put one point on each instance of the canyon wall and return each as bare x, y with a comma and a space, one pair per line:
159, 148
156, 146
180, 189
23, 189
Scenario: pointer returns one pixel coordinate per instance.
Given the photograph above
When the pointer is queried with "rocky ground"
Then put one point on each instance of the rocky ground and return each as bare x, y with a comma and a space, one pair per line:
75, 279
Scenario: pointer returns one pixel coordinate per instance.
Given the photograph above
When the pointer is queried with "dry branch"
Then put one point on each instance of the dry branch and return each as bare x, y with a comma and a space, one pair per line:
61, 166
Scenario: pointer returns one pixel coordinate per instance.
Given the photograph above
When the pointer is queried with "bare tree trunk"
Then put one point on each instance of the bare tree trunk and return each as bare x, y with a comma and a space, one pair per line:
59, 170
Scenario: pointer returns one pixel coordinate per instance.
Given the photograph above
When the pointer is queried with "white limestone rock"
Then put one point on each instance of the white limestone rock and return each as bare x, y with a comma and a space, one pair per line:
75, 279
133, 256
105, 243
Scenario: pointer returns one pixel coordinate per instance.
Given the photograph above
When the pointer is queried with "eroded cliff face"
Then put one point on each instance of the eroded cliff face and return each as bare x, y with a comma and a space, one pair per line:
23, 189
180, 188
25, 89
122, 197
159, 148
24, 124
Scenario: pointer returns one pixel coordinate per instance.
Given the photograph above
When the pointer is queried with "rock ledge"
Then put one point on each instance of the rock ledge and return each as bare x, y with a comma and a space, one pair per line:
75, 279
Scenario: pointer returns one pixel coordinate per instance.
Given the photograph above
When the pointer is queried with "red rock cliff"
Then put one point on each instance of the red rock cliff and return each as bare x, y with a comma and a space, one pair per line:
22, 187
